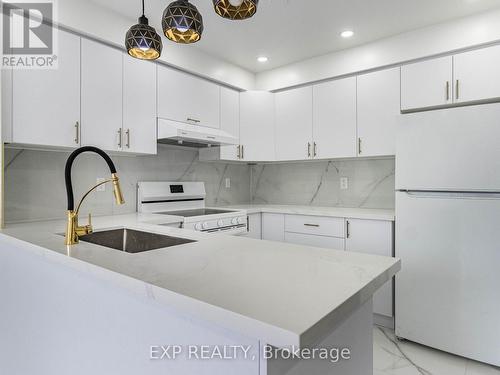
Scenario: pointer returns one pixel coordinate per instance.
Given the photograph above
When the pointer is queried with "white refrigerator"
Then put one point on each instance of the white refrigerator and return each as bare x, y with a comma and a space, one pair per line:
448, 230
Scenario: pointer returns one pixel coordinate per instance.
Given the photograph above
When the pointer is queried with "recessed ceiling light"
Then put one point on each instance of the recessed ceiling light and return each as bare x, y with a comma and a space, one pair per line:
262, 59
347, 34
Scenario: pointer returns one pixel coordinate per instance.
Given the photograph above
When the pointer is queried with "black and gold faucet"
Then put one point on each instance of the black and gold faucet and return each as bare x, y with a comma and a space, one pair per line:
73, 230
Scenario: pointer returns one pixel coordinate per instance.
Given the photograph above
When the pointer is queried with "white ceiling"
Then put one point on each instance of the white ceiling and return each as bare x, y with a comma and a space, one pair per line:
287, 31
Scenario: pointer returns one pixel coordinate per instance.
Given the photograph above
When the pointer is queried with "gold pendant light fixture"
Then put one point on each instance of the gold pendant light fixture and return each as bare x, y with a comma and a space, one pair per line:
235, 9
142, 41
182, 23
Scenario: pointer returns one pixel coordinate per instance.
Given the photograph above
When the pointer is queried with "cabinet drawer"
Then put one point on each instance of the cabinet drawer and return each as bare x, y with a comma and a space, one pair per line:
317, 225
316, 241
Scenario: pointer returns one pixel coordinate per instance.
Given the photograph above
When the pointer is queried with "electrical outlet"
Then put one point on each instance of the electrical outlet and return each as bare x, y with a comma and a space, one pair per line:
103, 186
344, 183
228, 183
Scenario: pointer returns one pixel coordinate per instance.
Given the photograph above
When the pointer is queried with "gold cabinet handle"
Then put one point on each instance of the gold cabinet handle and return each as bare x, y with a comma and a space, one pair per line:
308, 149
77, 133
120, 138
128, 138
348, 229
315, 150
243, 151
457, 89
193, 120
238, 152
359, 146
312, 225
447, 90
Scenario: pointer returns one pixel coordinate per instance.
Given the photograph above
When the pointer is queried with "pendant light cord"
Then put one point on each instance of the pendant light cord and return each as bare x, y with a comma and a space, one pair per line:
143, 7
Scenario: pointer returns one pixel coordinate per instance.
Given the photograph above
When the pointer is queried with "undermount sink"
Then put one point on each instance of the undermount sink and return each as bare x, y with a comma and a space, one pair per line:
132, 241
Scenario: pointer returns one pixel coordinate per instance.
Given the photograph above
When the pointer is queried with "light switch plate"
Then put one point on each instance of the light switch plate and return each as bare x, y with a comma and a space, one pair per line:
344, 183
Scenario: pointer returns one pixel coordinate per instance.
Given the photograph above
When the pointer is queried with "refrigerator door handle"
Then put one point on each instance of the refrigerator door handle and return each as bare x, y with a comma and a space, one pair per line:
452, 194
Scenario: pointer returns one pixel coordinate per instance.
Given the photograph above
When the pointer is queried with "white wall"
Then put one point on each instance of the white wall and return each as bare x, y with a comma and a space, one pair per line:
463, 33
90, 19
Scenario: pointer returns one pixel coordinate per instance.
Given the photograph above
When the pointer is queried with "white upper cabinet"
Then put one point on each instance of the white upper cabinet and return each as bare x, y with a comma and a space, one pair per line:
427, 84
257, 133
139, 106
294, 124
46, 103
185, 98
101, 107
476, 75
230, 121
378, 112
334, 119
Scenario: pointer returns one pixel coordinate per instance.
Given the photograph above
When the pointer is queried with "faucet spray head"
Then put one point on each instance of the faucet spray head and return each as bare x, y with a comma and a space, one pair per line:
117, 191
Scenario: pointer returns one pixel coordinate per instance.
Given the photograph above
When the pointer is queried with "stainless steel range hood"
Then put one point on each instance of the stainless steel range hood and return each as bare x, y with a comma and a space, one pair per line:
181, 134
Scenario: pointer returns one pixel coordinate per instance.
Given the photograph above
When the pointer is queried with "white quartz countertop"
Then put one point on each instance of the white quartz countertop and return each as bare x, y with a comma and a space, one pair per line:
280, 293
352, 213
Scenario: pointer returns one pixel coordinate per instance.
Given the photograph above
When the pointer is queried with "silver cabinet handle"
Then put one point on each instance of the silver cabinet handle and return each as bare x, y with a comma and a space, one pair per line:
120, 138
308, 149
243, 151
312, 225
447, 90
128, 138
77, 133
348, 229
193, 120
315, 153
238, 152
359, 146
457, 89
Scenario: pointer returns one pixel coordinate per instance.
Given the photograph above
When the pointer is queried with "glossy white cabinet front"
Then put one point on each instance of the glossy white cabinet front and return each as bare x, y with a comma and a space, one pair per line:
102, 107
378, 112
46, 103
230, 121
186, 98
334, 119
294, 124
427, 84
139, 106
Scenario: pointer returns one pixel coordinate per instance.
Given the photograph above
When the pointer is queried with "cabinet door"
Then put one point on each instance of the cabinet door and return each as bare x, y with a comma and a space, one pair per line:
294, 124
255, 226
427, 84
378, 112
257, 126
101, 95
476, 75
373, 237
139, 106
334, 130
316, 241
230, 120
46, 103
186, 98
273, 227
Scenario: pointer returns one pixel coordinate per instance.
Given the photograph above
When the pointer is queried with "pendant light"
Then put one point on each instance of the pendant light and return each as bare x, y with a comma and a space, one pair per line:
235, 9
142, 41
182, 23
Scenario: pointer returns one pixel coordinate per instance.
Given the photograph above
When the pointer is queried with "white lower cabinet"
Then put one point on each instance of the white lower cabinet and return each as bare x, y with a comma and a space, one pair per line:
373, 237
273, 227
316, 241
254, 226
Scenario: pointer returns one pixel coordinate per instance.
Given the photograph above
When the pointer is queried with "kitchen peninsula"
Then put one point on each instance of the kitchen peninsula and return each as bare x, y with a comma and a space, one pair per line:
93, 309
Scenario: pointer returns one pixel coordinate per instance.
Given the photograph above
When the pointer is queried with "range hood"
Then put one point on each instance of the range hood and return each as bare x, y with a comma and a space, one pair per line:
180, 134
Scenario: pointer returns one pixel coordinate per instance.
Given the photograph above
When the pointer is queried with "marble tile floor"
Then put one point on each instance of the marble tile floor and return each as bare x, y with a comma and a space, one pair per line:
392, 357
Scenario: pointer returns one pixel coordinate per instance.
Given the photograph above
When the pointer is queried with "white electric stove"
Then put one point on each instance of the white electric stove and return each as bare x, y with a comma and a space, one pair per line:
187, 200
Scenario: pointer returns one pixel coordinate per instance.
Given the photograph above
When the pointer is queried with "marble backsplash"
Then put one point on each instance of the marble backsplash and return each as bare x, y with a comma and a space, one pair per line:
371, 183
35, 190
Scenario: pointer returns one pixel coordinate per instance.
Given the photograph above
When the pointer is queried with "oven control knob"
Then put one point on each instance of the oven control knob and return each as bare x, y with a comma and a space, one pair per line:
234, 221
198, 226
220, 223
241, 220
205, 225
